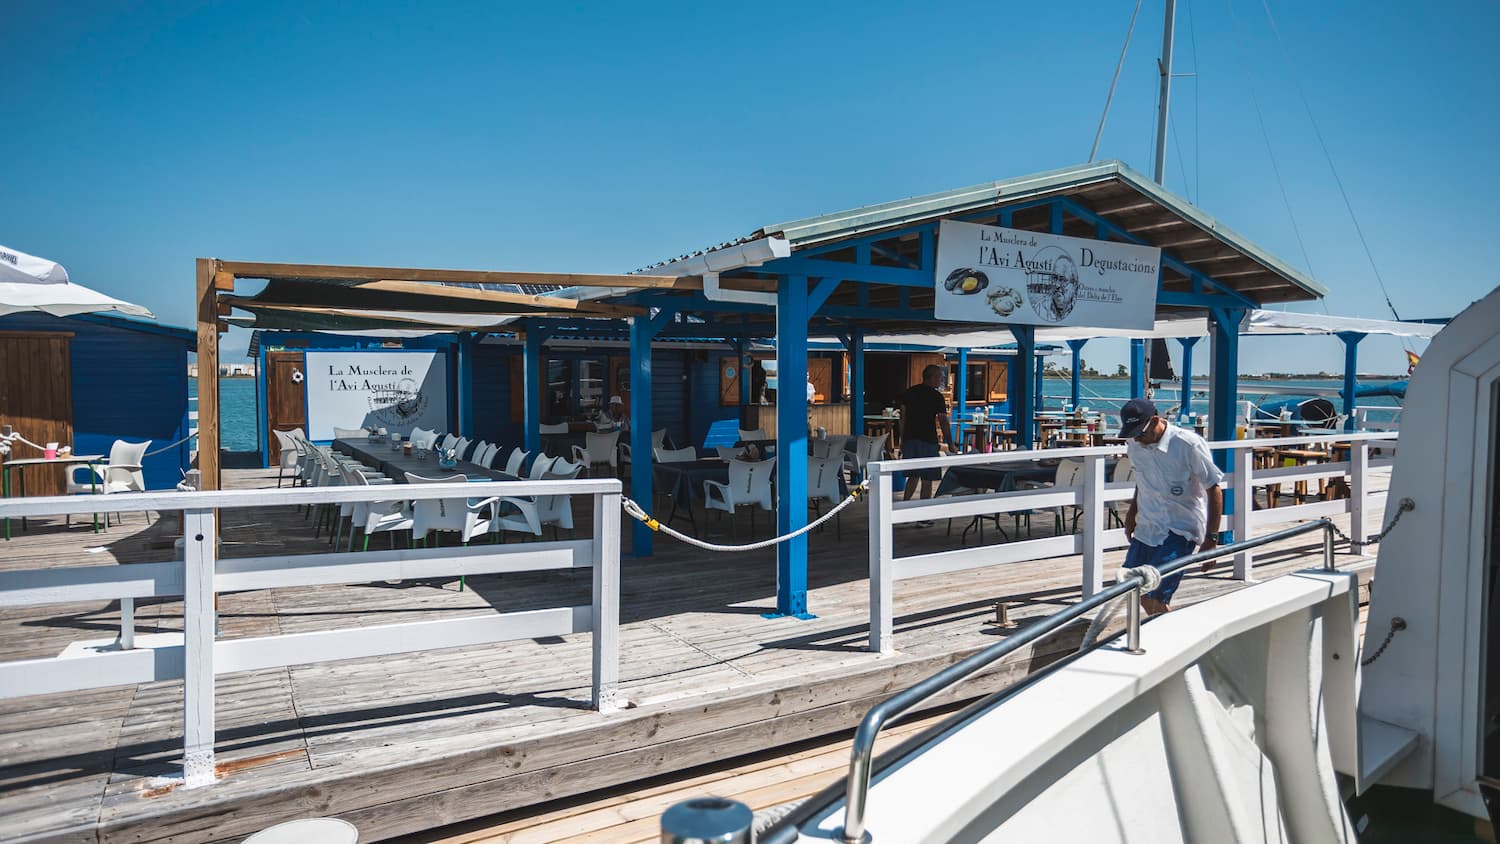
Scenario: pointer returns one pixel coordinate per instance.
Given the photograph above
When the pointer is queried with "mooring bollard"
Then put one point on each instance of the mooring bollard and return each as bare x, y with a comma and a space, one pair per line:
707, 820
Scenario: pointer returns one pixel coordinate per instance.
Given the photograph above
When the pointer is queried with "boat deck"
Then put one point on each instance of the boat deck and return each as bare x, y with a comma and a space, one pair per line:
409, 743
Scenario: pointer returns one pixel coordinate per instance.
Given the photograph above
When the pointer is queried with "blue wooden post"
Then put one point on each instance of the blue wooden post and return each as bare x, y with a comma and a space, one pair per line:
1351, 362
466, 342
791, 445
856, 381
1021, 396
742, 363
1187, 372
641, 458
531, 378
1075, 395
960, 398
1223, 394
1137, 368
1039, 382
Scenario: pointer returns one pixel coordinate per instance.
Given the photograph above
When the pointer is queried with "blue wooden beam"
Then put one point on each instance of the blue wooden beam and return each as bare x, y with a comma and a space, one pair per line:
1187, 372
1137, 367
642, 461
791, 446
1022, 376
856, 380
960, 397
820, 293
531, 380
1351, 363
1039, 382
867, 273
1075, 393
1223, 394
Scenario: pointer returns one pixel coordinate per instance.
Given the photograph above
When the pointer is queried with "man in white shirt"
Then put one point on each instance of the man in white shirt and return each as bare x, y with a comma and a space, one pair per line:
1177, 501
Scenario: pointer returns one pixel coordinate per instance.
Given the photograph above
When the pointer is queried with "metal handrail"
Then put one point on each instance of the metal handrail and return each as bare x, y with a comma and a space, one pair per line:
853, 831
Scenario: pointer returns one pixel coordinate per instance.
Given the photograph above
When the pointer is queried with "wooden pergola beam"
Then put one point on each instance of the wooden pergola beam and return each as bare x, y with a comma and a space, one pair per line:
208, 372
474, 294
254, 269
382, 316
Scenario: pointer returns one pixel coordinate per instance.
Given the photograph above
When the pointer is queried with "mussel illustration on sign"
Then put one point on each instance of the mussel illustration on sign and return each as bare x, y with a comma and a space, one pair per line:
966, 280
1052, 284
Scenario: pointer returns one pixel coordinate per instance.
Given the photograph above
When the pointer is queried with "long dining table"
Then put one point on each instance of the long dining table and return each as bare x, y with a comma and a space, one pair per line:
394, 464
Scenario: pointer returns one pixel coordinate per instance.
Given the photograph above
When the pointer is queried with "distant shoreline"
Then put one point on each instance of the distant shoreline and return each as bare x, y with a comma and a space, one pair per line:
1317, 376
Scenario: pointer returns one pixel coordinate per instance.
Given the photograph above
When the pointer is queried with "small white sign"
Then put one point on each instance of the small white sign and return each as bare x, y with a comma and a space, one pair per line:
994, 274
373, 388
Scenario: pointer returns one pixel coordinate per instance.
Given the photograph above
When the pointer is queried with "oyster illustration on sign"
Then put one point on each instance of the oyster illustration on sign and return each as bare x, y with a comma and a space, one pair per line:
1052, 284
1004, 300
966, 280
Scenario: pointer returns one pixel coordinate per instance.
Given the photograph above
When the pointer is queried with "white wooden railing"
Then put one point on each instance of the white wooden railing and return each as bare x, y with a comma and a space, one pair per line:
1093, 496
201, 574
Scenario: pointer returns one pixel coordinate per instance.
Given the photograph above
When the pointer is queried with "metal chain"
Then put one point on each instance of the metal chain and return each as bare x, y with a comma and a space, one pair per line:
1397, 625
1407, 505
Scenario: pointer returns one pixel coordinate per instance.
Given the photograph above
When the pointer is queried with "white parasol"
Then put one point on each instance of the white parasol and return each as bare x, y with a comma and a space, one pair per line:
29, 283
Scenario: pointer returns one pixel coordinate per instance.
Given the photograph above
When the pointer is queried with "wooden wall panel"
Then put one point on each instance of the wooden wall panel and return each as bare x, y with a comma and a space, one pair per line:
36, 399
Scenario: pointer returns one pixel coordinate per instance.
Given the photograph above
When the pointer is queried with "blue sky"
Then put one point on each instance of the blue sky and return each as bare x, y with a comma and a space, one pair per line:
603, 137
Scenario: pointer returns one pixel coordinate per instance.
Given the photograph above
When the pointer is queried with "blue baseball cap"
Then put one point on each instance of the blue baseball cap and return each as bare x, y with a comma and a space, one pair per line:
1134, 416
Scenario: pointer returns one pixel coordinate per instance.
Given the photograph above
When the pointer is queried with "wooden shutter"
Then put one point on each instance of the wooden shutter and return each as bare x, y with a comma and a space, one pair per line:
820, 373
730, 372
998, 379
286, 396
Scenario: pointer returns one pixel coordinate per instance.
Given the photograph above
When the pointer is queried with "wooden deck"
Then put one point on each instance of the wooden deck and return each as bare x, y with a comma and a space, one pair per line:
404, 744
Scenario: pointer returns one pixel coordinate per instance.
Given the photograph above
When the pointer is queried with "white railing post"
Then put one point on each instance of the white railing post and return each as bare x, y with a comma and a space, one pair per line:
606, 547
199, 561
1093, 524
1359, 490
882, 625
127, 624
1244, 505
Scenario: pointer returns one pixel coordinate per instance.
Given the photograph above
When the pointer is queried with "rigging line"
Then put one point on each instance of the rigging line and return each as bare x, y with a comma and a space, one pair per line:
1099, 133
1266, 138
1318, 133
1193, 44
1177, 142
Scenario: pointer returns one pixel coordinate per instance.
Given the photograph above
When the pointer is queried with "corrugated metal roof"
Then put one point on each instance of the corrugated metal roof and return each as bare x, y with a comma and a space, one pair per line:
1112, 190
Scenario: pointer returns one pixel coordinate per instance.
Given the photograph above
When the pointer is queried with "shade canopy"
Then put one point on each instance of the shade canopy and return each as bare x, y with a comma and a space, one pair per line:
29, 283
1285, 322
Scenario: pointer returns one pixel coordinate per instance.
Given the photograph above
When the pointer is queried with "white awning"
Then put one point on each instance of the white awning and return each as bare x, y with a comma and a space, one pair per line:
29, 283
1286, 322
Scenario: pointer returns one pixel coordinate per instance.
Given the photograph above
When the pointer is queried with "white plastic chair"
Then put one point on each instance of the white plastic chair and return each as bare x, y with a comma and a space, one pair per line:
1069, 474
540, 466
823, 476
350, 433
460, 447
729, 452
559, 428
374, 516
485, 453
515, 462
289, 456
121, 473
687, 454
463, 516
866, 450
447, 442
422, 438
749, 485
532, 513
658, 440
755, 434
597, 449
833, 446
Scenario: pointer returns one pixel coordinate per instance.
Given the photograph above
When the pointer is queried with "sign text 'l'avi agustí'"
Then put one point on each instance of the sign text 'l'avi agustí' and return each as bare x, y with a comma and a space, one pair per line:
994, 274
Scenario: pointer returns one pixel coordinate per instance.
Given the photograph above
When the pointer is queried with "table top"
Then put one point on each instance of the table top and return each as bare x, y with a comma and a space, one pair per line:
1304, 453
37, 461
395, 464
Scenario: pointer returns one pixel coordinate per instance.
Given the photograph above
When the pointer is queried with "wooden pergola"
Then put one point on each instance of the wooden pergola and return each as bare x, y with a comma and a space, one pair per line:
364, 291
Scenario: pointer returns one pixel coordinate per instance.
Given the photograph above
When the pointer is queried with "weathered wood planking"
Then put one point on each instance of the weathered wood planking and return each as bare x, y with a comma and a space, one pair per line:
404, 743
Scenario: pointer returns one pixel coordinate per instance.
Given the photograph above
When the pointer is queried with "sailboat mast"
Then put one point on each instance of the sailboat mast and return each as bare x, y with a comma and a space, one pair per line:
1164, 66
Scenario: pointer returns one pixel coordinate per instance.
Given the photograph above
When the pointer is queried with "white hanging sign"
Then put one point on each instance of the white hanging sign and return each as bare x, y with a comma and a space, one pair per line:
373, 388
994, 274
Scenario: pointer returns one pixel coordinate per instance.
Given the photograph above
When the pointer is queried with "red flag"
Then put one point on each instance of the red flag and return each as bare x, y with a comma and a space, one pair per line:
1411, 361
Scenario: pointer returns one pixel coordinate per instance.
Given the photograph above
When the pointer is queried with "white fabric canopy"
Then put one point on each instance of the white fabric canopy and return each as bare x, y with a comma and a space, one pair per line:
1285, 322
29, 283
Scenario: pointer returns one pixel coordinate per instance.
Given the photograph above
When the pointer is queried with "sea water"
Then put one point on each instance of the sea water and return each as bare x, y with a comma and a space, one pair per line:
237, 409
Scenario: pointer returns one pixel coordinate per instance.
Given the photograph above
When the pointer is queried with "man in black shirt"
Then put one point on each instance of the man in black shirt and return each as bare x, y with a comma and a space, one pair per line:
924, 422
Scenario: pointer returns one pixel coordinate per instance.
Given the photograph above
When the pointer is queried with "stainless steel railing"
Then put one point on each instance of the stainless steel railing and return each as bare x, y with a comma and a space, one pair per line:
853, 830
